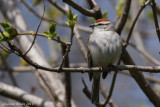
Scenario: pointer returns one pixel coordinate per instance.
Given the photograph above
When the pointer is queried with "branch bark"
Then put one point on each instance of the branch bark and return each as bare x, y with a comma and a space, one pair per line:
22, 96
142, 82
94, 12
12, 13
139, 78
119, 27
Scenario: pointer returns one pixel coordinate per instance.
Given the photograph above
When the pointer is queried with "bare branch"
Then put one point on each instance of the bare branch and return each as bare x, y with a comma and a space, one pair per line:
35, 33
111, 88
39, 34
68, 91
90, 4
95, 12
79, 8
132, 68
80, 43
68, 48
135, 20
153, 5
105, 95
145, 54
11, 75
22, 96
139, 78
123, 17
58, 6
147, 77
39, 16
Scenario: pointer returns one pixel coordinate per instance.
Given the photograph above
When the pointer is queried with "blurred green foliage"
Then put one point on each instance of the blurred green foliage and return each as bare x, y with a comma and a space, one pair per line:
10, 32
36, 2
51, 33
119, 8
150, 15
72, 18
53, 13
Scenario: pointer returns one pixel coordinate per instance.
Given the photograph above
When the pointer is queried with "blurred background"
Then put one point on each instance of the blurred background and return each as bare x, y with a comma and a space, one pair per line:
126, 91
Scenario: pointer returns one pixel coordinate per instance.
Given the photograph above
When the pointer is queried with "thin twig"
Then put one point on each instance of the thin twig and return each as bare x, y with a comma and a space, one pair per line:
153, 5
85, 90
135, 20
112, 84
32, 11
5, 47
148, 77
145, 54
36, 33
105, 95
80, 43
39, 34
13, 79
111, 88
58, 6
5, 38
142, 82
68, 48
23, 96
53, 96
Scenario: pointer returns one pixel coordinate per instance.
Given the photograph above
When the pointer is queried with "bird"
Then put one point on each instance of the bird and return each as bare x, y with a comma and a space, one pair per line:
104, 48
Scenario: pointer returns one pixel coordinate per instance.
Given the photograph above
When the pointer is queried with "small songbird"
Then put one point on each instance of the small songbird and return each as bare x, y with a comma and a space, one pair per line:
104, 47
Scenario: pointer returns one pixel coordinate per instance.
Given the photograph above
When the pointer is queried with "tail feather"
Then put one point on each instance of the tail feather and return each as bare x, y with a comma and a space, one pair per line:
95, 90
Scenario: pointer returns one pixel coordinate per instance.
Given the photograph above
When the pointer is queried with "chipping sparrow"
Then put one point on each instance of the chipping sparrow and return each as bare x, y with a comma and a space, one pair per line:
104, 47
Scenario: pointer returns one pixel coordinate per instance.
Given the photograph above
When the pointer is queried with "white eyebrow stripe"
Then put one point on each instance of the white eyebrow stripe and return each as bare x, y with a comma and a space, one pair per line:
103, 23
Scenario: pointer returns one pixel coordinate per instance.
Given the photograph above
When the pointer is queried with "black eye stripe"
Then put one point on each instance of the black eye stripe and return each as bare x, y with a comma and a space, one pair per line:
102, 24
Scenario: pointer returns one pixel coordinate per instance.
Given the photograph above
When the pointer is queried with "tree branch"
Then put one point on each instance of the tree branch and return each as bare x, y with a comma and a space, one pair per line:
153, 5
135, 20
68, 91
139, 78
58, 6
35, 33
79, 8
22, 96
123, 17
95, 12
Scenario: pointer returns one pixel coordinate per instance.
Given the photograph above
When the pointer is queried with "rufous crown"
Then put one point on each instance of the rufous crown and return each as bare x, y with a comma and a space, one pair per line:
101, 20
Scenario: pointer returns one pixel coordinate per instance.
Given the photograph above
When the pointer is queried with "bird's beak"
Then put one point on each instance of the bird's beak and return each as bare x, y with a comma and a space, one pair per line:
92, 25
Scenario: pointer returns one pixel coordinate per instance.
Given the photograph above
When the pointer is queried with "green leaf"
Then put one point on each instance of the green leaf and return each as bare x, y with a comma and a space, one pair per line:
105, 13
51, 36
5, 54
46, 33
72, 18
53, 13
52, 27
36, 2
70, 23
5, 24
75, 17
67, 23
54, 34
9, 29
69, 14
141, 2
150, 15
119, 8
